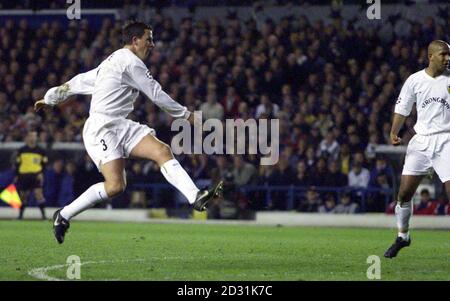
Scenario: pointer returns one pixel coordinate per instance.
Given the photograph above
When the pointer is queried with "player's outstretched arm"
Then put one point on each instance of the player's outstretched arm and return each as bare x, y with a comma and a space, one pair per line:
142, 80
82, 84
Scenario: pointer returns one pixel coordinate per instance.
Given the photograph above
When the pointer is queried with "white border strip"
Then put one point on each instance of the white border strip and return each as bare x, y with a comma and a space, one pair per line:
263, 218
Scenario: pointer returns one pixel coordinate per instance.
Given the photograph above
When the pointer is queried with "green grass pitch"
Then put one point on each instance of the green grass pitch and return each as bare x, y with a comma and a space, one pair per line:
142, 251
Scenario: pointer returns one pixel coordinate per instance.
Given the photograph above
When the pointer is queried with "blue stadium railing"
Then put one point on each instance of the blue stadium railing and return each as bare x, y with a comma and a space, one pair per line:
292, 192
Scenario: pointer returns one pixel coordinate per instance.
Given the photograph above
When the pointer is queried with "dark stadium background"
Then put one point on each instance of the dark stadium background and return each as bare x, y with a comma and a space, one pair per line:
331, 78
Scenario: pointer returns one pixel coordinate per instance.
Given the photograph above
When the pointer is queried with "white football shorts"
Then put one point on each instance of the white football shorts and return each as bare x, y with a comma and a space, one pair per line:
426, 152
107, 138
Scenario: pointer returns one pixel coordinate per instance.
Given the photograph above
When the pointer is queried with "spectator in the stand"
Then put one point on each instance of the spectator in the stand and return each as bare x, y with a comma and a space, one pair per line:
442, 208
310, 159
302, 177
202, 171
335, 178
311, 202
358, 157
371, 147
196, 166
265, 173
85, 175
427, 205
231, 103
381, 167
346, 205
231, 204
152, 171
221, 169
359, 176
243, 172
314, 137
355, 142
319, 173
211, 108
266, 107
282, 176
344, 159
329, 147
243, 111
260, 198
137, 196
329, 205
378, 201
66, 194
325, 125
52, 182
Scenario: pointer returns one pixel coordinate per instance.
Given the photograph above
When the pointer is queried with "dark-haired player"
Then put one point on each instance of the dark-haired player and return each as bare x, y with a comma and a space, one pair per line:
109, 137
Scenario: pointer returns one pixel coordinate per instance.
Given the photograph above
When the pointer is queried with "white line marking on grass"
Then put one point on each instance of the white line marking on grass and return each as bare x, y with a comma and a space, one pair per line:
41, 273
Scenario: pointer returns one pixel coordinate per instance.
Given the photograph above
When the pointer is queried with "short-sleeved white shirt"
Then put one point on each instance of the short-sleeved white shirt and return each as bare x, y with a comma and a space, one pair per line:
115, 85
432, 98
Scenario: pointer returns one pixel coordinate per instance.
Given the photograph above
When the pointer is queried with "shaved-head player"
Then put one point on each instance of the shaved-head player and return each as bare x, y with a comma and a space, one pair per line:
429, 149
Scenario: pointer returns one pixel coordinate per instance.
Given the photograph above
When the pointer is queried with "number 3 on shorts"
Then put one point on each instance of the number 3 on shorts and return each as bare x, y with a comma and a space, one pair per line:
105, 147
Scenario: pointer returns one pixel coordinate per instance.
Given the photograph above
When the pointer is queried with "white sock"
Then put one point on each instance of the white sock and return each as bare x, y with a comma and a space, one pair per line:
404, 236
403, 214
93, 195
178, 177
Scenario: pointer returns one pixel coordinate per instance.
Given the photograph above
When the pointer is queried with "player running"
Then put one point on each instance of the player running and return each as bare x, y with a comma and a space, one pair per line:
109, 137
430, 147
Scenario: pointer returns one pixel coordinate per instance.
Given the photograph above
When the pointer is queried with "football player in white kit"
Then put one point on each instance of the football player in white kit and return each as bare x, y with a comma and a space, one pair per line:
430, 146
109, 137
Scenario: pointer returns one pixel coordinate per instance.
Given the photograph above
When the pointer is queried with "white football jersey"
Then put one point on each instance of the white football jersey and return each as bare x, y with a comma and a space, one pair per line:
115, 85
432, 98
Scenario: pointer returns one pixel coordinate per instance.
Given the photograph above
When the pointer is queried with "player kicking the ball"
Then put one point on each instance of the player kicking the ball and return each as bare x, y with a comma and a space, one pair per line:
109, 137
430, 147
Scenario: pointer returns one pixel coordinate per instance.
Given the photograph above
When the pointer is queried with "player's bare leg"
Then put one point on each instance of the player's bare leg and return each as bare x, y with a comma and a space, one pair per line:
151, 148
115, 178
114, 174
403, 212
115, 183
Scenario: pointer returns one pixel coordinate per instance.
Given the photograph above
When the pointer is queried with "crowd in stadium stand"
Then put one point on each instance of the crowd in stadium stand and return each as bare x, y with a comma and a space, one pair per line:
332, 87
